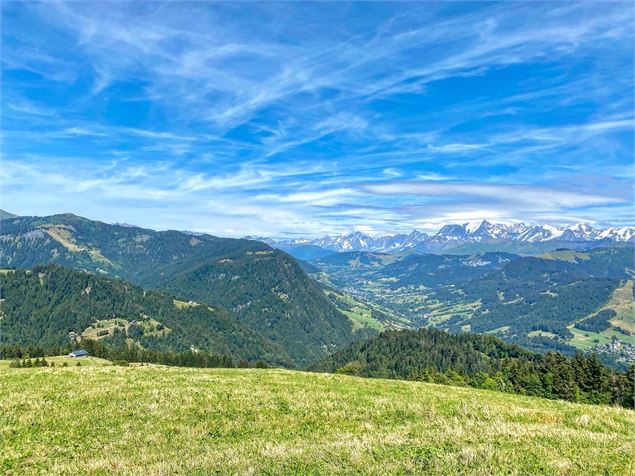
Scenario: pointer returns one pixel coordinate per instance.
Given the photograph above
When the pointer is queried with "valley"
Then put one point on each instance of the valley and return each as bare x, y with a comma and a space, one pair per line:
181, 332
533, 301
295, 312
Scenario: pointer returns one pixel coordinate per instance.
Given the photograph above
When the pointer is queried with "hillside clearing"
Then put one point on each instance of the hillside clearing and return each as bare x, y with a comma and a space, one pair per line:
160, 420
623, 304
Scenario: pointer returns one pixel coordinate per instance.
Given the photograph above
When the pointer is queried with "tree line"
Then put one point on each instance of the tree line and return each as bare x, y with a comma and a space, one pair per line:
486, 362
124, 354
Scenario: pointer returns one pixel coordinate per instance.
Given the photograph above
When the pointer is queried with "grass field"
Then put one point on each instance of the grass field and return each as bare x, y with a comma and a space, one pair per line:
158, 421
585, 340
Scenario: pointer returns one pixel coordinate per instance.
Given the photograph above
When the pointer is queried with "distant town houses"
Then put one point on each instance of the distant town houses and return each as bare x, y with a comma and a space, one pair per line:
620, 351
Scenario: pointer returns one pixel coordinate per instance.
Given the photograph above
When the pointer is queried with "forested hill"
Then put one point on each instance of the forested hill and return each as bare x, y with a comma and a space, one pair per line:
550, 293
264, 288
481, 361
48, 305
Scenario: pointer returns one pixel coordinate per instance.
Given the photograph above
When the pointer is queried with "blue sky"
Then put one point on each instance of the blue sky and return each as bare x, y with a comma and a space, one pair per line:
313, 118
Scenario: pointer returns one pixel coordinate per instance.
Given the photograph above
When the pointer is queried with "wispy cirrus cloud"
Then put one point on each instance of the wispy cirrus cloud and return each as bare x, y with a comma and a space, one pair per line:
535, 196
296, 117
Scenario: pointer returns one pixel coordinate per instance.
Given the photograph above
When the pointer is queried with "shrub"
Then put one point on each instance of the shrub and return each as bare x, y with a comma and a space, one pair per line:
351, 368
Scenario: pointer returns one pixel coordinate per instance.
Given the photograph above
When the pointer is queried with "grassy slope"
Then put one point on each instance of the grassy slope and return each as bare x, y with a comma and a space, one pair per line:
361, 313
622, 302
158, 420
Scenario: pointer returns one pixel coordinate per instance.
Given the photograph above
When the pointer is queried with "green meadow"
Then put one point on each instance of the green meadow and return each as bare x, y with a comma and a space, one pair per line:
154, 420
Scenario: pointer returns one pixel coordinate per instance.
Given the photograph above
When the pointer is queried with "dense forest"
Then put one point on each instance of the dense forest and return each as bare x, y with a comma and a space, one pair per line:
597, 322
531, 293
485, 362
273, 296
440, 270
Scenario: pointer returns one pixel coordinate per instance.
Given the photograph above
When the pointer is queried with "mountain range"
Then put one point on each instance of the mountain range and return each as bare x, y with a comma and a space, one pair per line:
255, 301
263, 289
455, 235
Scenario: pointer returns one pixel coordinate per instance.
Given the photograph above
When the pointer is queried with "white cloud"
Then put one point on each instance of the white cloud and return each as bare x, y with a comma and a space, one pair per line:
534, 196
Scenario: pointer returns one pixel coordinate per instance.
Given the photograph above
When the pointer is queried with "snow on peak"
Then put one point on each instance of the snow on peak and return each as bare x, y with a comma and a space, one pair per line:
472, 226
626, 233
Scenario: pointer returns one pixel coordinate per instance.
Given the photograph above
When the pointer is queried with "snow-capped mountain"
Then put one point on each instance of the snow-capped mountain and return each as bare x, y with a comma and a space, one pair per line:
472, 232
538, 233
356, 241
479, 232
399, 242
584, 231
268, 241
618, 234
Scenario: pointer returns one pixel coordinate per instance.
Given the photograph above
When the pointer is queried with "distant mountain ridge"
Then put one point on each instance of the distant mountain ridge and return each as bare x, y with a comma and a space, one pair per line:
453, 235
5, 215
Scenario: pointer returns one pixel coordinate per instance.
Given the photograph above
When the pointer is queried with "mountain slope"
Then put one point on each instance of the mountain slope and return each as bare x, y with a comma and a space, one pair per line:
533, 301
265, 288
437, 270
304, 252
354, 259
549, 293
269, 292
138, 255
4, 215
42, 306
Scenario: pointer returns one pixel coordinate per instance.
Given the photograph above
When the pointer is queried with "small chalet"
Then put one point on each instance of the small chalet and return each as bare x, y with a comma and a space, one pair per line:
78, 353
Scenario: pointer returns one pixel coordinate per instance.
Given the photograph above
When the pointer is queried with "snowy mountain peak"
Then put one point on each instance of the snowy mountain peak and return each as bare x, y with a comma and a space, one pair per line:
583, 231
452, 232
626, 233
539, 233
473, 226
